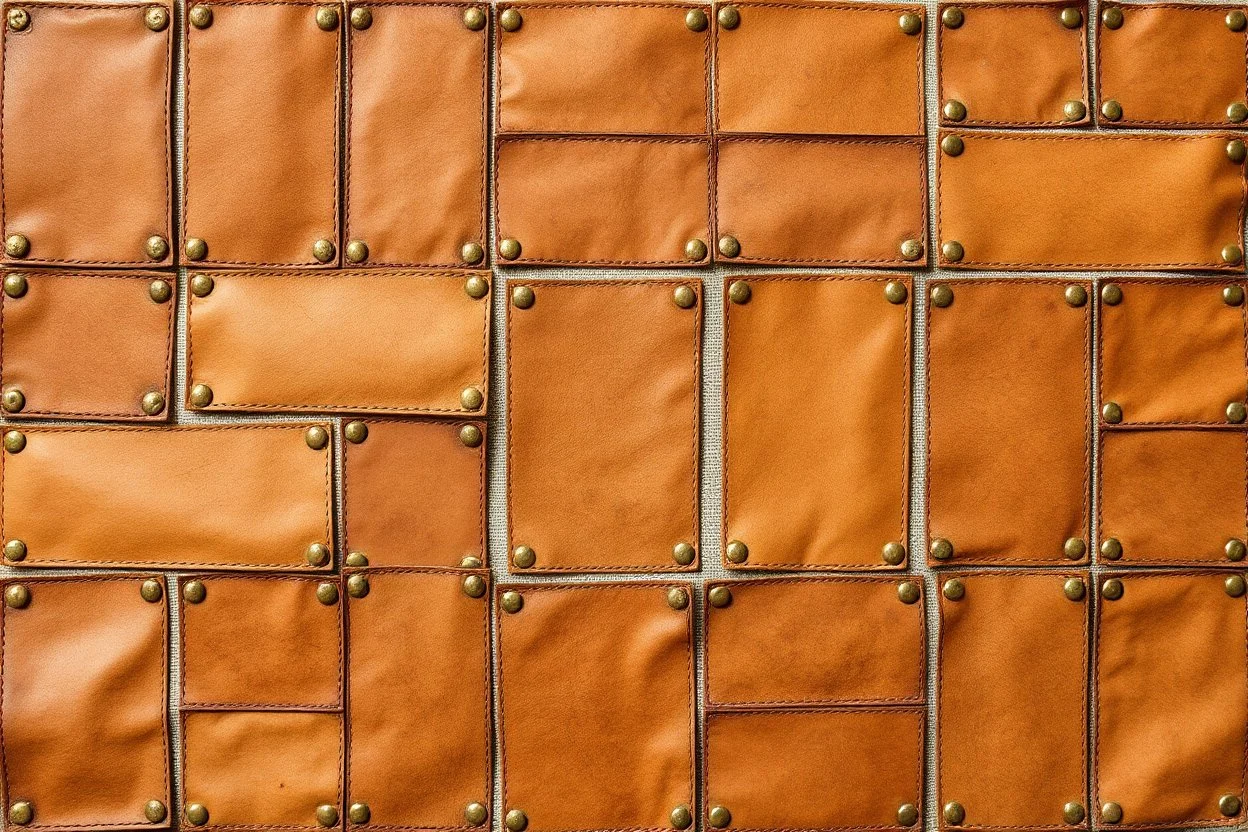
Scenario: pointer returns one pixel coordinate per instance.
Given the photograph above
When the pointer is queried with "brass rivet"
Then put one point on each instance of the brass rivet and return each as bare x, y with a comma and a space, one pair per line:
1235, 586
739, 292
1111, 812
156, 18
14, 441
151, 591
316, 437
1076, 295
159, 291
737, 552
1112, 110
355, 432
954, 813
1074, 548
356, 559
323, 250
523, 557
201, 18
1074, 590
472, 253
1072, 18
357, 251
475, 814
327, 815
512, 602
317, 554
941, 549
911, 249
194, 592
683, 553
156, 247
695, 249
1236, 150
894, 553
681, 817
677, 599
720, 596
201, 285
1112, 590
327, 593
1236, 413
201, 395
470, 398
729, 246
910, 23
21, 813
1112, 18
19, 19
363, 18
1111, 412
953, 589
474, 19
15, 285
197, 249
1237, 112
154, 810
359, 813
516, 819
1111, 548
476, 287
509, 248
1232, 254
908, 592
17, 596
16, 245
152, 403
196, 814
15, 550
728, 17
695, 21
942, 295
1111, 294
1236, 21
357, 586
684, 297
953, 251
1235, 549
954, 110
511, 21
326, 21
719, 817
474, 586
907, 814
470, 562
1230, 804
470, 436
1074, 110
952, 145
13, 401
1233, 295
952, 17
896, 292
522, 297
1072, 812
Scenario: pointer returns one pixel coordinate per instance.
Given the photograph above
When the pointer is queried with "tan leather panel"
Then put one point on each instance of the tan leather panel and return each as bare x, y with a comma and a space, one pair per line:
261, 642
603, 67
88, 344
270, 769
813, 641
1171, 65
383, 342
833, 493
414, 494
1171, 701
84, 724
836, 202
1012, 710
418, 765
596, 691
1009, 442
602, 201
262, 120
798, 67
1173, 351
1036, 201
1173, 496
221, 496
87, 169
602, 472
416, 111
1015, 64
849, 768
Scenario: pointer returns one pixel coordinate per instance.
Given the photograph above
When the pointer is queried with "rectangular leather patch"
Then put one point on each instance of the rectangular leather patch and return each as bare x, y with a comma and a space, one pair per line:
561, 664
423, 764
94, 345
416, 111
87, 165
1171, 702
85, 693
812, 641
1009, 425
602, 201
835, 494
798, 67
213, 497
262, 122
1036, 201
596, 67
1013, 681
833, 202
383, 342
414, 492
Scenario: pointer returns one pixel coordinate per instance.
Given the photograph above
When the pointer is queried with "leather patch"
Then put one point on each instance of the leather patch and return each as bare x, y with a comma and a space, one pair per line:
262, 123
378, 342
421, 764
624, 716
416, 113
1009, 430
1015, 64
85, 693
89, 345
220, 496
414, 493
1171, 702
1031, 201
833, 202
1013, 682
87, 166
602, 471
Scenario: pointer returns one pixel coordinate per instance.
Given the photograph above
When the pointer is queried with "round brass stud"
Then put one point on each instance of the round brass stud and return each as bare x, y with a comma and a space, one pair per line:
357, 251
159, 291
327, 815
683, 553
152, 403
1073, 812
1111, 548
1111, 412
17, 596
18, 19
1074, 548
736, 552
16, 245
152, 591
719, 596
516, 820
522, 297
1237, 112
357, 586
472, 253
194, 592
695, 21
1236, 21
1112, 18
1232, 254
952, 145
356, 559
523, 557
512, 602
470, 562
201, 18
1112, 590
470, 398
359, 813
156, 247
896, 292
511, 21
1074, 110
954, 110
355, 432
474, 586
894, 553
21, 813
1236, 151
1076, 295
729, 246
470, 436
15, 550
509, 247
154, 810
907, 814
1074, 590
317, 554
474, 19
1233, 295
910, 23
476, 287
739, 292
942, 295
677, 599
326, 21
1111, 812
952, 17
195, 248
1235, 586
729, 17
1072, 18
316, 437
941, 549
1235, 549
1111, 294
13, 400
327, 593
201, 395
953, 589
323, 250
953, 813
719, 817
1112, 110
475, 814
908, 592
953, 251
695, 249
14, 441
681, 817
1229, 804
684, 297
15, 285
196, 814
363, 18
201, 285
1236, 413
156, 18
911, 249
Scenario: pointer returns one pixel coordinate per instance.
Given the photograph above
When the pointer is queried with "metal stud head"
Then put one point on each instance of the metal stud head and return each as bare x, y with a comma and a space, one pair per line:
508, 247
952, 145
472, 253
908, 593
201, 395
470, 398
729, 17
13, 400
1072, 18
677, 599
363, 18
356, 559
512, 602
15, 285
1074, 548
941, 549
201, 285
942, 295
516, 820
316, 437
522, 297
152, 591
1229, 804
194, 592
153, 402
910, 23
695, 21
327, 593
1112, 18
954, 110
1237, 112
1112, 110
17, 596
736, 552
359, 813
695, 249
476, 287
357, 586
684, 297
907, 814
1111, 813
952, 17
1233, 295
196, 814
475, 814
155, 811
355, 432
1111, 294
953, 813
195, 248
16, 245
474, 19
893, 553
470, 436
739, 292
1235, 586
1074, 590
1236, 413
729, 246
911, 249
159, 291
1073, 812
21, 813
1232, 254
327, 815
317, 554
1074, 110
14, 441
681, 817
720, 596
357, 251
201, 18
511, 21
18, 19
1111, 412
895, 292
323, 250
1236, 151
15, 550
1076, 295
156, 18
156, 247
326, 21
1236, 21
952, 250
470, 562
1112, 590
523, 557
683, 553
473, 586
1235, 549
719, 817
1111, 548
953, 589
